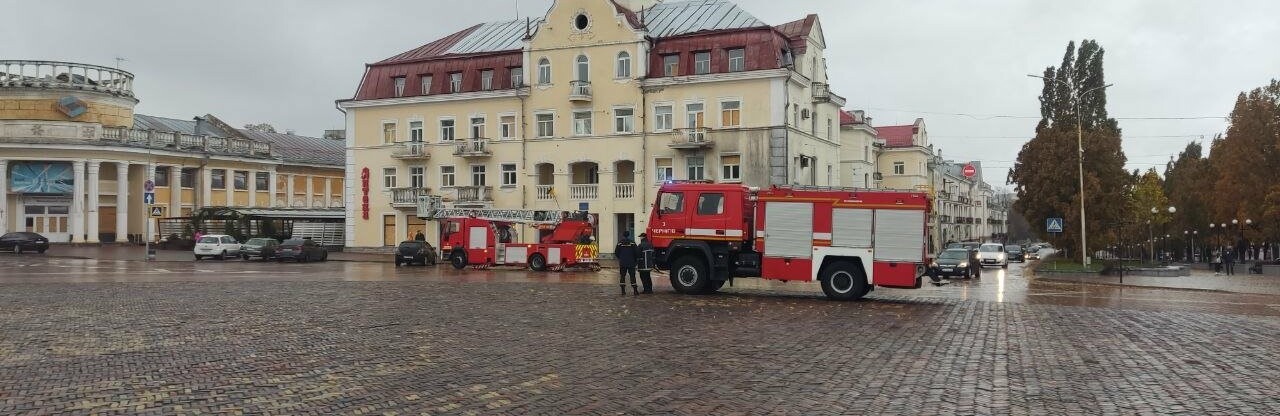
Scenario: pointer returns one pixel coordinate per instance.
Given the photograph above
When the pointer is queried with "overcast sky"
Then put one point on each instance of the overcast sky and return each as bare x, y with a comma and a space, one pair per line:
285, 62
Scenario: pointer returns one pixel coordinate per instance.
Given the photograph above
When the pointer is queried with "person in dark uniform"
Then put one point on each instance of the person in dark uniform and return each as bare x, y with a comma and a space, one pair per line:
420, 236
645, 263
626, 254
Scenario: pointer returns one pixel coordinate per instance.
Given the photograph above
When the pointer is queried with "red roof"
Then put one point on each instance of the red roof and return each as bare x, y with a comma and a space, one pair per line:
846, 118
898, 136
430, 50
798, 32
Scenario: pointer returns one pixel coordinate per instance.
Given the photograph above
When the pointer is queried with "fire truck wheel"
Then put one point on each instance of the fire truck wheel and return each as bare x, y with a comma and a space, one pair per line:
689, 275
458, 260
537, 263
843, 281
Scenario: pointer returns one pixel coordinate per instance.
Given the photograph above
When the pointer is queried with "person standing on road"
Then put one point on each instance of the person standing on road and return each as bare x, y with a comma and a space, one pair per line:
1229, 261
626, 254
645, 263
419, 236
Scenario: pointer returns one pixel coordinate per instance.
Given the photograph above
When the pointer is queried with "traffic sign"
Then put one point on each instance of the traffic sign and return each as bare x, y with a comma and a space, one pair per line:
157, 211
1053, 225
582, 206
969, 170
149, 186
149, 198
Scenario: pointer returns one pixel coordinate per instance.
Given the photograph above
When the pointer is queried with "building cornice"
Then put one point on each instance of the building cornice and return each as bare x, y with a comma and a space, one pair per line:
716, 77
434, 98
145, 152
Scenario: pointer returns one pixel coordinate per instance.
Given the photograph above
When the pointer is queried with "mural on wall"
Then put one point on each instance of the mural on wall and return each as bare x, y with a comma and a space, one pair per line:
41, 178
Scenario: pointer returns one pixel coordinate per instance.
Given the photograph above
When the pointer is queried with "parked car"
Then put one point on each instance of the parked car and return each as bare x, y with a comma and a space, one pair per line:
301, 250
264, 248
992, 254
416, 252
1014, 253
218, 246
24, 241
959, 262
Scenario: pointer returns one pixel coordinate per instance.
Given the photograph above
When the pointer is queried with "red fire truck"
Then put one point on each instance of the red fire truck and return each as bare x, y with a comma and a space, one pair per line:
484, 238
849, 240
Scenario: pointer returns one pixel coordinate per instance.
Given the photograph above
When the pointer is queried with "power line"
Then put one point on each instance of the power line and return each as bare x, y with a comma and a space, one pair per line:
1012, 116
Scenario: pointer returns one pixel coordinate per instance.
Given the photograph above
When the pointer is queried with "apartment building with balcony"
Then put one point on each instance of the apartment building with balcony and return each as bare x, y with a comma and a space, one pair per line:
594, 104
860, 149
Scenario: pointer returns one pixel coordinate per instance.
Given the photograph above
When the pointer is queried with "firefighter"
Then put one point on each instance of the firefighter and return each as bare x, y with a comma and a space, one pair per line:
626, 254
644, 261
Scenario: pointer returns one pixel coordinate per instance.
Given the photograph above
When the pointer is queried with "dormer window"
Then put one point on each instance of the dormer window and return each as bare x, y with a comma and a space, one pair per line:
399, 85
702, 63
426, 84
455, 82
737, 59
670, 65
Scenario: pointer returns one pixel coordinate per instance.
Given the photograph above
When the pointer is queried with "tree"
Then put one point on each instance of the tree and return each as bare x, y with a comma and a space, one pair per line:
1247, 162
1187, 182
1046, 171
262, 127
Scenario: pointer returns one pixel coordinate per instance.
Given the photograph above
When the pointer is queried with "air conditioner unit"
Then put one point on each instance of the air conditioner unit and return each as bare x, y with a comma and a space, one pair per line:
804, 114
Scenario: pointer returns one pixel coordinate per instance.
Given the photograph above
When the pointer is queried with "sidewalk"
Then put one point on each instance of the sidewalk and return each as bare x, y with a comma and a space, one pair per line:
138, 253
1198, 280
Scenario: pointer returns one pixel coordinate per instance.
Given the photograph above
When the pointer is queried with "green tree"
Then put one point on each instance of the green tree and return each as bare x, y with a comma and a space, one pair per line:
1188, 181
262, 127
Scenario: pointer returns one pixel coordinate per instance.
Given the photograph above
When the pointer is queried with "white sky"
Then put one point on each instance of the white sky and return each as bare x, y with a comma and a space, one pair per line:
285, 62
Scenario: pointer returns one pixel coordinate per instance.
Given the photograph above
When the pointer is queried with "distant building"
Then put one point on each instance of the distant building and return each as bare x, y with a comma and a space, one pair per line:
860, 149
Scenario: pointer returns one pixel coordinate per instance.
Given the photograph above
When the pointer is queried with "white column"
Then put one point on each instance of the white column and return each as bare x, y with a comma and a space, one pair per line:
328, 193
311, 193
175, 191
206, 186
4, 200
253, 188
122, 202
271, 187
229, 180
95, 167
288, 189
77, 202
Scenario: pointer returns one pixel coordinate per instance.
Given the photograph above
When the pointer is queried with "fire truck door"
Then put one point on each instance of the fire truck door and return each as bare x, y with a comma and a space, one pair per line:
788, 240
477, 238
709, 219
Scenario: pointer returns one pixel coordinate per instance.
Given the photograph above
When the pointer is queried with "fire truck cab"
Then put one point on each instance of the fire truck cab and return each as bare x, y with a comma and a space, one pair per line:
849, 240
481, 237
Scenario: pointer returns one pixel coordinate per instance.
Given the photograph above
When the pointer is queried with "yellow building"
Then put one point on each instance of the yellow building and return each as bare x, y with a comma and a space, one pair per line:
74, 158
595, 103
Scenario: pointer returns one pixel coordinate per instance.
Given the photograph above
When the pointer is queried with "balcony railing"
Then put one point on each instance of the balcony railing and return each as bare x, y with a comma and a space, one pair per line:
476, 147
580, 91
821, 92
473, 194
65, 75
407, 197
169, 140
624, 190
411, 150
544, 192
584, 191
691, 138
946, 219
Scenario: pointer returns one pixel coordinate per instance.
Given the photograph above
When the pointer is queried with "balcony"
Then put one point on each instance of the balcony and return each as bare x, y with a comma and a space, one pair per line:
169, 140
545, 193
476, 147
624, 190
821, 92
407, 197
691, 139
412, 151
584, 191
580, 91
945, 219
65, 75
474, 194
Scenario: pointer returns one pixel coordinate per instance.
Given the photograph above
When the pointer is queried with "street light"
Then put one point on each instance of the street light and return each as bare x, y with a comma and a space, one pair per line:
1155, 211
1084, 252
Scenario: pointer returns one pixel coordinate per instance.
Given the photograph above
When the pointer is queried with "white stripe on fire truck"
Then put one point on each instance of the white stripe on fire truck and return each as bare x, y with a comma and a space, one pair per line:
712, 232
821, 236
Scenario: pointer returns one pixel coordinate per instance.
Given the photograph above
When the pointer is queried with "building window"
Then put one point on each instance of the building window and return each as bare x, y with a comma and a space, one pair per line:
447, 130
702, 63
730, 113
388, 178
415, 131
694, 115
508, 174
218, 179
455, 82
899, 168
517, 76
866, 151
546, 125
581, 123
189, 178
508, 126
544, 72
477, 128
399, 86
662, 118
737, 60
416, 177
830, 134
388, 132
695, 168
162, 176
486, 80
584, 68
624, 66
477, 175
795, 114
730, 168
426, 84
663, 170
262, 181
624, 120
446, 176
240, 179
670, 65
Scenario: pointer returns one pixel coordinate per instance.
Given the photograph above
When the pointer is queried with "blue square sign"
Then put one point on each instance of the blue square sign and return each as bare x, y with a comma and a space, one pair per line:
1053, 225
148, 198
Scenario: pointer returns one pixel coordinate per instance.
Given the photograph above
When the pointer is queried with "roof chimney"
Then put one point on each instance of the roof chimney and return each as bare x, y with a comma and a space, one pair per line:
201, 126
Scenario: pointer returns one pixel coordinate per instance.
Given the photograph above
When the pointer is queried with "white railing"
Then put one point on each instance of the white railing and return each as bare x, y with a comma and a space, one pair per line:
821, 91
691, 138
624, 190
544, 192
474, 193
580, 90
170, 140
406, 197
584, 191
67, 75
411, 150
472, 147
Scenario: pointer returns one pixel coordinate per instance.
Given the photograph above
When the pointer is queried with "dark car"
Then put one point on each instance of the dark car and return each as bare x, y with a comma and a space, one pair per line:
416, 252
1015, 253
23, 241
264, 248
959, 262
301, 250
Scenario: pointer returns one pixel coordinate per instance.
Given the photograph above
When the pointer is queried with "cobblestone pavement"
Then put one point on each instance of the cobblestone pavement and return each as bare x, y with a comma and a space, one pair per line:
323, 339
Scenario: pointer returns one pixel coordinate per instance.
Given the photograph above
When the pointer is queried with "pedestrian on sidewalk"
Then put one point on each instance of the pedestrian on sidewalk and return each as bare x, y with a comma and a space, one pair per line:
1217, 262
645, 262
625, 251
419, 236
1229, 261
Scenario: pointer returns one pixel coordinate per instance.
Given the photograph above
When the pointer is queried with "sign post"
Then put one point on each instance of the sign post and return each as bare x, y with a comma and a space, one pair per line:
149, 198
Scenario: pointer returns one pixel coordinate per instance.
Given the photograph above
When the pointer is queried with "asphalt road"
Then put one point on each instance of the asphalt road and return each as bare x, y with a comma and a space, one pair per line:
87, 336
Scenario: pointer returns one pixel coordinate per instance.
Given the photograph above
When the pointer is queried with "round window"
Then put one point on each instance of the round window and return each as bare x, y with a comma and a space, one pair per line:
581, 22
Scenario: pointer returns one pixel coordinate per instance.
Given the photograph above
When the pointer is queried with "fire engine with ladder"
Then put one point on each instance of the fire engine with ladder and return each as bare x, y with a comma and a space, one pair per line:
850, 240
484, 237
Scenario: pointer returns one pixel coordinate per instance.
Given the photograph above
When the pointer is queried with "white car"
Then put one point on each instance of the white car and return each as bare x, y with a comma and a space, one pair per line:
217, 246
992, 254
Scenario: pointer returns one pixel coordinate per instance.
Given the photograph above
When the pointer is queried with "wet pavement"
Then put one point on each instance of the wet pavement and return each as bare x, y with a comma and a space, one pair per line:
83, 336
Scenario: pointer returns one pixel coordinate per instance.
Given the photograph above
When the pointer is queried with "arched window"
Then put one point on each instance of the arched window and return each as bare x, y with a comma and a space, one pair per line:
583, 67
624, 65
544, 71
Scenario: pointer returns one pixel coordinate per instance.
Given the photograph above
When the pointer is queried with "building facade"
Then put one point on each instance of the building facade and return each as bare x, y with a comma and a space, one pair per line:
860, 150
74, 158
592, 105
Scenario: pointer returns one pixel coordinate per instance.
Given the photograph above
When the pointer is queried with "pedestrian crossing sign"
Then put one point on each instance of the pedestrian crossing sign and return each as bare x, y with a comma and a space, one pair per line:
1053, 225
157, 212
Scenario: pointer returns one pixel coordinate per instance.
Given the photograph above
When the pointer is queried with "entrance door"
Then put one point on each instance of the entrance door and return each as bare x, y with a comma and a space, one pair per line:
49, 221
389, 230
626, 225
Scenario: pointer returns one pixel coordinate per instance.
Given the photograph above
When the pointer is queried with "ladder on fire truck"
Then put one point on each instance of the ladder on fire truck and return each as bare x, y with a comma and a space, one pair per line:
431, 207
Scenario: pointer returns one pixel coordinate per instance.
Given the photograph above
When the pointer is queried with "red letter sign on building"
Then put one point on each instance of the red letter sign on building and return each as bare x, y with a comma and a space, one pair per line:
364, 186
